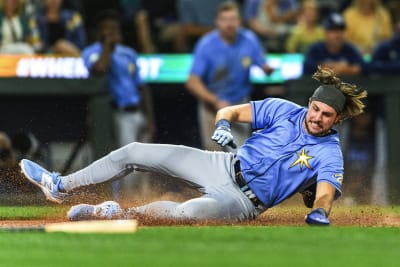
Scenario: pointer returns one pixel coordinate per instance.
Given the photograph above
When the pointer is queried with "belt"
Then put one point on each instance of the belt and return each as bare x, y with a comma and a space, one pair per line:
244, 187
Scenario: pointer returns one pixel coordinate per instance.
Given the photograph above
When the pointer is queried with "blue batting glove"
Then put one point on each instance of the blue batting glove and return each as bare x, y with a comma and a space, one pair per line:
317, 217
222, 134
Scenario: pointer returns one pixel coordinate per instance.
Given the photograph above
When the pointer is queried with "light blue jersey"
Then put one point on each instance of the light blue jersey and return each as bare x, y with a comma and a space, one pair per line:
225, 68
123, 75
281, 158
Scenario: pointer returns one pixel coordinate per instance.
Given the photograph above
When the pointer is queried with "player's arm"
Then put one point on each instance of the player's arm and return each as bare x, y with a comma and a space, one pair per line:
324, 196
236, 113
322, 205
197, 87
103, 63
225, 116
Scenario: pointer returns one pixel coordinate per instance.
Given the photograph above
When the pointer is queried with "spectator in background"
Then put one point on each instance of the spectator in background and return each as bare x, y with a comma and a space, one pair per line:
386, 57
334, 52
132, 106
61, 30
368, 23
32, 7
17, 31
156, 26
196, 18
307, 31
219, 76
271, 20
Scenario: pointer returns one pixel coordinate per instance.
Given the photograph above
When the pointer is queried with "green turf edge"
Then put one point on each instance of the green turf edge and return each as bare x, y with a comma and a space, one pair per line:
207, 246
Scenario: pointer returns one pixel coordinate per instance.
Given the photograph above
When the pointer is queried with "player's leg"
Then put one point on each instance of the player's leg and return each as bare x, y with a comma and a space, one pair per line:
202, 168
128, 127
199, 167
224, 203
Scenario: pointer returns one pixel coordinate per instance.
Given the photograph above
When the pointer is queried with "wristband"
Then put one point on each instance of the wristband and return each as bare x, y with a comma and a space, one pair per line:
223, 123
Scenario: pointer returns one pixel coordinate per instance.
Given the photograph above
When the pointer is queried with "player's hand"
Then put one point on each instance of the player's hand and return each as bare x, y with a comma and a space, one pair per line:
317, 217
222, 134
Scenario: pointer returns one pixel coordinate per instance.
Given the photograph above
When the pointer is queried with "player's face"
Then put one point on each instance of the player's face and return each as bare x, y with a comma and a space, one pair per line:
228, 23
109, 28
320, 118
334, 38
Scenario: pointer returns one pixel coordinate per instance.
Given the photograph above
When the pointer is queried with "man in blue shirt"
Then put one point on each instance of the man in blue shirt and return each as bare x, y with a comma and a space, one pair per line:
386, 56
293, 150
133, 116
219, 76
334, 52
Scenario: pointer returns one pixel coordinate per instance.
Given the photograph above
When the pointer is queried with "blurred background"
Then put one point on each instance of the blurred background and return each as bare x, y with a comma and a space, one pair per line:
55, 108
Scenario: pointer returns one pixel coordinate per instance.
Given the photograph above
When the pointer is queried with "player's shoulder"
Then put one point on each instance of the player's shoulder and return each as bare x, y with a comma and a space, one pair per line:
208, 39
281, 102
319, 45
278, 106
350, 48
94, 47
125, 49
247, 34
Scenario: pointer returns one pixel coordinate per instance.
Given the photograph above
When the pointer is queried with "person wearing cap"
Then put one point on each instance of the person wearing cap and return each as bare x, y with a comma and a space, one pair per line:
334, 52
293, 149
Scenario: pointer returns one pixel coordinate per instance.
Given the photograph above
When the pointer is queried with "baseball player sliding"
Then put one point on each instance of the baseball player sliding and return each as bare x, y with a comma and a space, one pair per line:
293, 149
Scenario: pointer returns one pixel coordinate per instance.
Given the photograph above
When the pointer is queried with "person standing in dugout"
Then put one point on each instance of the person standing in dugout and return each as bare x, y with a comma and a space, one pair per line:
220, 73
131, 98
293, 149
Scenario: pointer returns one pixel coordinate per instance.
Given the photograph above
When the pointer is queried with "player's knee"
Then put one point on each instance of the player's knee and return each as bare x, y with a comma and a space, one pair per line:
197, 209
122, 153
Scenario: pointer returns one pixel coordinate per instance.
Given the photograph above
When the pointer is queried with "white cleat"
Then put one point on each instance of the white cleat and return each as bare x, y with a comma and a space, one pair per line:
104, 211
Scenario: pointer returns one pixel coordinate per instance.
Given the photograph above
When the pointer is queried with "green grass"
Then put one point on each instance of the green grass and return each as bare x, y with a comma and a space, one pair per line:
207, 246
31, 212
183, 246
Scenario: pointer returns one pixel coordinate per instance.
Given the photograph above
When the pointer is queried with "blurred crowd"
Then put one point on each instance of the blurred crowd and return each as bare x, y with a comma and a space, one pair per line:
352, 37
174, 26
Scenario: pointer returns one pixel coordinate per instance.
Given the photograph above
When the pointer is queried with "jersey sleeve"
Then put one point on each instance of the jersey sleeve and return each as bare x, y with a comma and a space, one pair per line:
199, 65
258, 51
136, 75
331, 170
90, 57
265, 112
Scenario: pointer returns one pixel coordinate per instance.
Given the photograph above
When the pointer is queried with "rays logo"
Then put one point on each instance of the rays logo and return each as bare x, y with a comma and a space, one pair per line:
302, 160
338, 177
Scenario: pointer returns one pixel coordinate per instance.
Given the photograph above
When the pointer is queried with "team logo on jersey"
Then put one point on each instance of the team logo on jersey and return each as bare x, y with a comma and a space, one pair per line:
246, 61
338, 177
302, 160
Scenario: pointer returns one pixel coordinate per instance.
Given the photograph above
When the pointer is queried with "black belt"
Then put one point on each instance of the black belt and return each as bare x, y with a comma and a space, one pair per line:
244, 187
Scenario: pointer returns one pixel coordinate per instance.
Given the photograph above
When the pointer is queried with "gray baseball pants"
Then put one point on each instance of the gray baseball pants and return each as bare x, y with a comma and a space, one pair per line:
212, 173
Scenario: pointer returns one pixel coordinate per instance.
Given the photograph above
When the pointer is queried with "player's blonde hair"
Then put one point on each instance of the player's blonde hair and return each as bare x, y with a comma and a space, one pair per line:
353, 105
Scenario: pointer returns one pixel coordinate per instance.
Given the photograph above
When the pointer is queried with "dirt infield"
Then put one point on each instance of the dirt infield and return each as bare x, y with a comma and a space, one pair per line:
366, 216
289, 213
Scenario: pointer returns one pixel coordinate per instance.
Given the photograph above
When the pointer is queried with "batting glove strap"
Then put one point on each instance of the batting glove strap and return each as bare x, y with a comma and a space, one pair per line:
317, 217
223, 123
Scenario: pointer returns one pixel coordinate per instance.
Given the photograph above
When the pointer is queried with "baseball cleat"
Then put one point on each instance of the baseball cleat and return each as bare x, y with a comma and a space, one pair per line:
47, 181
104, 211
